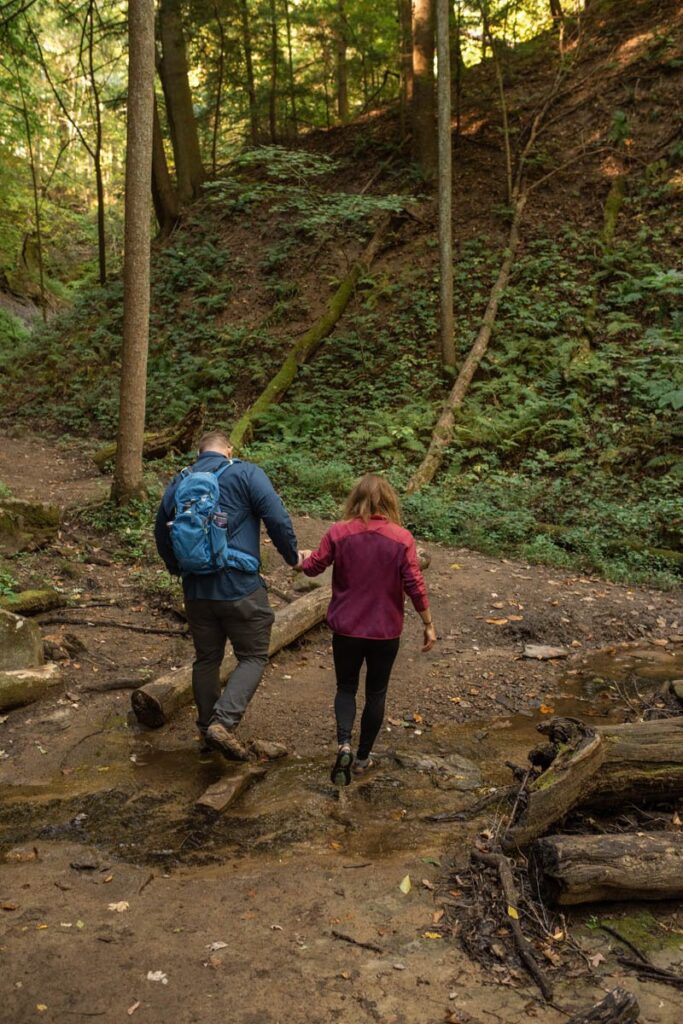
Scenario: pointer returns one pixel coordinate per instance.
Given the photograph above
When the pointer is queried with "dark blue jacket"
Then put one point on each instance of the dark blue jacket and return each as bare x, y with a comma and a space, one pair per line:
248, 497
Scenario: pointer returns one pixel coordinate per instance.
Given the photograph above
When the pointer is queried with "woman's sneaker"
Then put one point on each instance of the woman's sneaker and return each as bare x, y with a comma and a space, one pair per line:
225, 742
341, 773
363, 765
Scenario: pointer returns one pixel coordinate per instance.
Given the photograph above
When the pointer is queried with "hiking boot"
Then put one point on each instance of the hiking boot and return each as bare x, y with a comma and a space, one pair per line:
222, 739
341, 772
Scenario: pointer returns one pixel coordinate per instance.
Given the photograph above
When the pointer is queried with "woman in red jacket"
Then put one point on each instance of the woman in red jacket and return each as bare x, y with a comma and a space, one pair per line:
375, 563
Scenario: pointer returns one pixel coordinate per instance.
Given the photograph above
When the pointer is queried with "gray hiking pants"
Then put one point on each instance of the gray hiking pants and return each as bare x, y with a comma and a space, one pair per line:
246, 624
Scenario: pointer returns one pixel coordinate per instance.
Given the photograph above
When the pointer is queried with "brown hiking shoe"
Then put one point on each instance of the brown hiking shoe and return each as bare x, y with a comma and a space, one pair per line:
219, 738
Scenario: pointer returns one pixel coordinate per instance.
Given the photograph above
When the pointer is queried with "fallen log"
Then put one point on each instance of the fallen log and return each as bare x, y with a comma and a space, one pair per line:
223, 793
155, 702
31, 602
603, 767
618, 1007
26, 525
26, 685
177, 438
308, 343
588, 869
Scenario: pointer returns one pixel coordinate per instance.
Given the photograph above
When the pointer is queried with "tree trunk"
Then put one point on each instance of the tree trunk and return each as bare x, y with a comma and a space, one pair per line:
589, 869
178, 438
128, 481
290, 62
307, 344
424, 107
226, 791
503, 104
35, 184
272, 92
219, 89
604, 767
457, 65
618, 1007
445, 185
249, 64
163, 190
155, 702
406, 61
443, 431
97, 153
174, 76
342, 77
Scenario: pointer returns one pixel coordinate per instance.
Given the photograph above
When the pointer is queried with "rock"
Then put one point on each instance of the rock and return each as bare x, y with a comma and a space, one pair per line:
677, 688
25, 685
270, 750
224, 792
26, 525
30, 602
21, 643
542, 652
450, 772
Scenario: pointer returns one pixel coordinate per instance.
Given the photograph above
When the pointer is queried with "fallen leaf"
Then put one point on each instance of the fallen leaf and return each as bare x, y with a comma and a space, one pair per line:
676, 820
497, 622
454, 565
546, 709
597, 959
9, 906
157, 976
427, 884
41, 1007
213, 947
132, 1008
345, 975
118, 907
437, 916
516, 618
109, 878
80, 924
432, 935
399, 967
405, 885
42, 927
276, 928
513, 913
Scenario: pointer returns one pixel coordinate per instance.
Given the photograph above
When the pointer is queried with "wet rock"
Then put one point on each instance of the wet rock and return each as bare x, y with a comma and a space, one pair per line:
21, 643
26, 525
450, 772
267, 749
85, 862
543, 652
23, 686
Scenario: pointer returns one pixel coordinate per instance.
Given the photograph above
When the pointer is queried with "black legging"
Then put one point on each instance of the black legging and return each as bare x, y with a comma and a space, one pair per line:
349, 654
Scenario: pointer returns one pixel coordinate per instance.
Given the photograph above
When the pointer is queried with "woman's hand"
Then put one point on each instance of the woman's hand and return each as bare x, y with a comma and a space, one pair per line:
429, 637
303, 555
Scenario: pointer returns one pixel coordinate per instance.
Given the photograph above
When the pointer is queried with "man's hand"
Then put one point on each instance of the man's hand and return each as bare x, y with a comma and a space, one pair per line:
302, 556
429, 638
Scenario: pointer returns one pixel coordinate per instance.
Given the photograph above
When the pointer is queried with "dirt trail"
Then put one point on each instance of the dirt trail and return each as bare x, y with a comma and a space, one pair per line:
272, 879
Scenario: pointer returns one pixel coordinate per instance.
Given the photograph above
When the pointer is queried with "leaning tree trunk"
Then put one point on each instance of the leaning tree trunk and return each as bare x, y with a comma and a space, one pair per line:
424, 105
590, 869
605, 767
163, 190
128, 481
174, 76
306, 345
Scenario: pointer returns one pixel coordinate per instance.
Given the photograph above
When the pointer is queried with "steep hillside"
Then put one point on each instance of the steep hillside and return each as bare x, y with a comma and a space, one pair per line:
566, 447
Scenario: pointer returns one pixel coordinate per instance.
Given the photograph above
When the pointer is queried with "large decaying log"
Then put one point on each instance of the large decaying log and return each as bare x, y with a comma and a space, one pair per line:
157, 701
607, 766
26, 525
618, 1007
25, 685
587, 869
177, 438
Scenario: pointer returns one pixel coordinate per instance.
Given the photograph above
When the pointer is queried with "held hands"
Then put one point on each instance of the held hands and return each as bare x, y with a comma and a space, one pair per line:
429, 638
302, 556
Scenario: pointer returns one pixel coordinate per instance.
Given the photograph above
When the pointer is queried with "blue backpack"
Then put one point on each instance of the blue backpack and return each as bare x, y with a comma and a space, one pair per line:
199, 531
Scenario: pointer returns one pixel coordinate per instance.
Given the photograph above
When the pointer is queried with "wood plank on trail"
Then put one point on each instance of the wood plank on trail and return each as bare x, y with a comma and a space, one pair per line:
223, 793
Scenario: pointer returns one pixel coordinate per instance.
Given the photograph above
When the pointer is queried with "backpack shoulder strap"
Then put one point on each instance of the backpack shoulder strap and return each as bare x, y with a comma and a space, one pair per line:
222, 469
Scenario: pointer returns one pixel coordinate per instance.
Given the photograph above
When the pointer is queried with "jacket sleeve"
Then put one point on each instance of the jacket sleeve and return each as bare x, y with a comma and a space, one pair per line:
413, 581
319, 560
162, 535
267, 504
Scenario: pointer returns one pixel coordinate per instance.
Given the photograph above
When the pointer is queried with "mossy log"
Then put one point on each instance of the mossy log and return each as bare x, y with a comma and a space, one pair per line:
604, 767
155, 702
307, 344
21, 642
178, 438
26, 525
31, 602
589, 869
26, 685
618, 1007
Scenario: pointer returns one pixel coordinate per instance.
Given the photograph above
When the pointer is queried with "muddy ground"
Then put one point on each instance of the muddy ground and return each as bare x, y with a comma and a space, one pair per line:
97, 813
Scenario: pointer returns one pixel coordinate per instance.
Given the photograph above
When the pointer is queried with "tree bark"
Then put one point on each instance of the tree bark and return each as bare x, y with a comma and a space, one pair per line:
618, 1007
406, 61
97, 152
290, 64
249, 65
178, 438
424, 106
219, 89
35, 184
608, 766
163, 190
155, 702
342, 76
445, 185
589, 869
226, 791
128, 481
272, 92
174, 76
26, 685
307, 344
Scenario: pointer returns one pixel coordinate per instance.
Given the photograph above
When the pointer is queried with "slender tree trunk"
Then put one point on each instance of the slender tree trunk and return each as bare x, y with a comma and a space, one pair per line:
97, 153
128, 482
219, 89
342, 75
503, 104
174, 76
249, 64
272, 93
163, 190
457, 66
445, 185
424, 112
36, 190
406, 62
290, 58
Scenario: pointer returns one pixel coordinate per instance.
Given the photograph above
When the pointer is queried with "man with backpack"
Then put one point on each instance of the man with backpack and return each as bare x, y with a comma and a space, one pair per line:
208, 531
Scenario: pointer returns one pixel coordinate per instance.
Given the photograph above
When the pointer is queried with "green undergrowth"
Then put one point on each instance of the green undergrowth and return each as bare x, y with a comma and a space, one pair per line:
567, 449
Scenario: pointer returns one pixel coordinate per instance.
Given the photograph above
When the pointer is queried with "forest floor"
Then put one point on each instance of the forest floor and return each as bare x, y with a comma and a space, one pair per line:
108, 872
